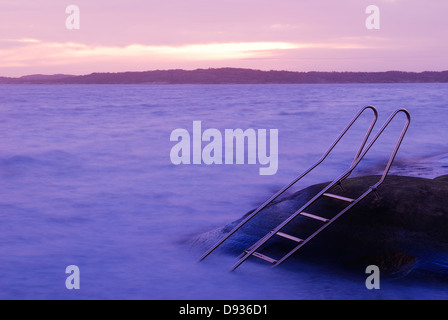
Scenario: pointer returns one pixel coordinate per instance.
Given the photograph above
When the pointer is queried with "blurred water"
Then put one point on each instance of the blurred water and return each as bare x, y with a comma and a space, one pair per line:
86, 179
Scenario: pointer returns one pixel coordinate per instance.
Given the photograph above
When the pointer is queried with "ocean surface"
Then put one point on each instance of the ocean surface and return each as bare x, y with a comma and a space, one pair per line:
86, 179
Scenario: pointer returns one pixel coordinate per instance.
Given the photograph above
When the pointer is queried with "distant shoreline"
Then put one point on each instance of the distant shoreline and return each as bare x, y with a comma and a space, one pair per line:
233, 76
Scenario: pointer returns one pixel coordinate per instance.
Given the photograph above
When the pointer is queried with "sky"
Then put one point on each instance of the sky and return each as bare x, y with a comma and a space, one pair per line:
295, 35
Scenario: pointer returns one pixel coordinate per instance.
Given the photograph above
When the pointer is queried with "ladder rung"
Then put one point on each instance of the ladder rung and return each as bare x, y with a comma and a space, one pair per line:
312, 216
290, 237
263, 257
338, 197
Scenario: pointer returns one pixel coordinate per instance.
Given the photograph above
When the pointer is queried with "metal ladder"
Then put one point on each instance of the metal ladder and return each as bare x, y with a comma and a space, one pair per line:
252, 251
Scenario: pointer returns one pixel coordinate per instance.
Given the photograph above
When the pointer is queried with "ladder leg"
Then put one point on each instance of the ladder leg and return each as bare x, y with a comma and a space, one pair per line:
323, 227
268, 236
301, 245
252, 249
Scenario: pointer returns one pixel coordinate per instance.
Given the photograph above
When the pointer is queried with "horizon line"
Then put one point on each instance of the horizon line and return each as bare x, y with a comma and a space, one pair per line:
211, 68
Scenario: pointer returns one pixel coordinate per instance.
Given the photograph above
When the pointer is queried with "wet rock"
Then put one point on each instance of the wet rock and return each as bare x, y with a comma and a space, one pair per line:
406, 228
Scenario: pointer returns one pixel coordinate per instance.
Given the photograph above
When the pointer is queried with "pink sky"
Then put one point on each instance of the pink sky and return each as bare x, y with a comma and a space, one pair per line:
297, 35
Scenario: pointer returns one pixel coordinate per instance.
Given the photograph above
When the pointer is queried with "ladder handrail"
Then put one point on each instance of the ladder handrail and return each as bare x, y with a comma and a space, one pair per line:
372, 188
285, 188
398, 144
372, 142
268, 236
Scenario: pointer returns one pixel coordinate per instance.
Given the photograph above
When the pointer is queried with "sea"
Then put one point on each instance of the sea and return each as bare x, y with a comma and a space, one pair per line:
86, 180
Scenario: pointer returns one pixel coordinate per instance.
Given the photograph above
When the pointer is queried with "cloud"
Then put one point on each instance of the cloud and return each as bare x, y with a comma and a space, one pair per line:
209, 51
23, 55
55, 53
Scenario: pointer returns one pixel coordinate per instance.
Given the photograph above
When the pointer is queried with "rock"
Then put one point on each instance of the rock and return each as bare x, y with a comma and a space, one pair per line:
391, 263
442, 178
405, 229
